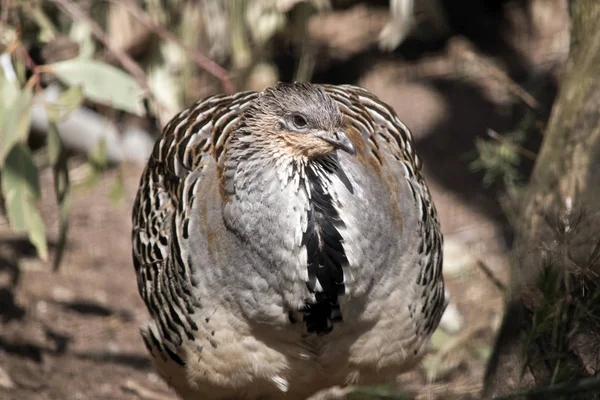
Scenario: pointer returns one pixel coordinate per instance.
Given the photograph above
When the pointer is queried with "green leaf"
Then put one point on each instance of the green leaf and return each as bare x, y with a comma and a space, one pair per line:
43, 21
21, 190
69, 100
101, 83
62, 189
97, 157
15, 117
54, 144
81, 33
9, 91
97, 163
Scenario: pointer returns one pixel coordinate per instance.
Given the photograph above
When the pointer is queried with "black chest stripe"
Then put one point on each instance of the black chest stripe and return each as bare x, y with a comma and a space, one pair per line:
325, 252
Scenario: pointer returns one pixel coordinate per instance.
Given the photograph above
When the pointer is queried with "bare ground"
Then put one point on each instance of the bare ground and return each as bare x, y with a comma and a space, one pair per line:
74, 334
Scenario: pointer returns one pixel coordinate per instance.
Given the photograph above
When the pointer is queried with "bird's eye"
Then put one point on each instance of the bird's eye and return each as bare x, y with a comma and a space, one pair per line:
299, 121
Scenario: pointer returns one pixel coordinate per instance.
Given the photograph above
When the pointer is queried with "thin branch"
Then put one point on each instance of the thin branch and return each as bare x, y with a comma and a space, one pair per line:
469, 61
200, 59
6, 4
491, 276
142, 392
126, 61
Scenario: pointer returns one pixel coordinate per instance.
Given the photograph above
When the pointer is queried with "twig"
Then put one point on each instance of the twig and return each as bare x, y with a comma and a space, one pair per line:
144, 393
28, 60
200, 59
462, 51
524, 152
5, 381
126, 61
6, 4
492, 277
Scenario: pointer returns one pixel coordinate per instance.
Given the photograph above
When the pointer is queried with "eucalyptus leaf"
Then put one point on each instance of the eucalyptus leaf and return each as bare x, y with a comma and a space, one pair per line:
54, 144
43, 21
21, 191
81, 33
97, 157
8, 69
9, 91
68, 101
101, 83
15, 117
97, 162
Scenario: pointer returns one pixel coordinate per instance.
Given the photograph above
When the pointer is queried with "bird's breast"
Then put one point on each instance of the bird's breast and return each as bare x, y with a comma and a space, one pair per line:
311, 236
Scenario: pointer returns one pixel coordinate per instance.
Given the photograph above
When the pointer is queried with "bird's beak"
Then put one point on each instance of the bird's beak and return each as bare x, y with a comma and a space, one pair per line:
339, 140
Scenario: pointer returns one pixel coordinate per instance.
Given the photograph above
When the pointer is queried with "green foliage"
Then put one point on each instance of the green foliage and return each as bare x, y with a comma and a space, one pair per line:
500, 157
498, 161
31, 23
68, 101
21, 190
15, 116
97, 164
101, 83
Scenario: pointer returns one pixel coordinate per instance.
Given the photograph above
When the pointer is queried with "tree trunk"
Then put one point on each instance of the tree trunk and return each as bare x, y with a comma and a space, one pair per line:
550, 332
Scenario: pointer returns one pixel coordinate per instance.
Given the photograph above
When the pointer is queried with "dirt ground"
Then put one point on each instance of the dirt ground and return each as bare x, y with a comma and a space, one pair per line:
74, 334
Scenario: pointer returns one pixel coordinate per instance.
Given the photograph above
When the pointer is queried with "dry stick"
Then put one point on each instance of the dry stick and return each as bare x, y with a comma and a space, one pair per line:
492, 277
126, 61
467, 60
200, 59
144, 393
463, 61
6, 4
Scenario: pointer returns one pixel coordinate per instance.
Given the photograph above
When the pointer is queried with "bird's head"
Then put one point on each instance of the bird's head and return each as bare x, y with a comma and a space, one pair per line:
298, 119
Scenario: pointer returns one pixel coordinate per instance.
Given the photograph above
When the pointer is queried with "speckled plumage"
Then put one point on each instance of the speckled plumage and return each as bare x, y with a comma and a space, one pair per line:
284, 242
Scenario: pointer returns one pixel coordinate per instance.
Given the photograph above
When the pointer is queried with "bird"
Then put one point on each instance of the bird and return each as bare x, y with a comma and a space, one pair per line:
284, 242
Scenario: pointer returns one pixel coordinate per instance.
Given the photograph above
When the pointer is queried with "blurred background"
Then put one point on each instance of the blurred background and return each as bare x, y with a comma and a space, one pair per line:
86, 86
